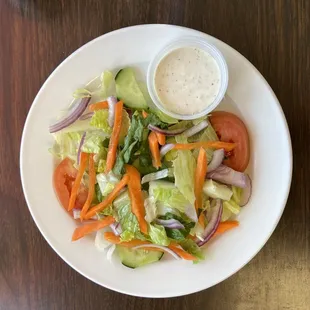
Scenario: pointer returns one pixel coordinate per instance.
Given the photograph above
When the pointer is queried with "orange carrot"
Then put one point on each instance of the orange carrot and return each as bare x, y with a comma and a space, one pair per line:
161, 138
144, 114
201, 220
91, 185
154, 148
84, 230
105, 203
183, 254
206, 144
111, 237
200, 174
136, 196
224, 226
98, 106
77, 182
111, 157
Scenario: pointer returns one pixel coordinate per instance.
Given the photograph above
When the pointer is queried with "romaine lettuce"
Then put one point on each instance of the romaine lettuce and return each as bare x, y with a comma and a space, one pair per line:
216, 190
158, 235
106, 182
168, 194
184, 172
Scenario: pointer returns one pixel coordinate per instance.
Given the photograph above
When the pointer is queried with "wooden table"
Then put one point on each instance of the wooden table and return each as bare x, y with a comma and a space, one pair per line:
36, 35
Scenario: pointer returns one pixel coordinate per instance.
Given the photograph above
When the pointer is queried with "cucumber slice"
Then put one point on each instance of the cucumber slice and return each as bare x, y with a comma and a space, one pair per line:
128, 90
137, 258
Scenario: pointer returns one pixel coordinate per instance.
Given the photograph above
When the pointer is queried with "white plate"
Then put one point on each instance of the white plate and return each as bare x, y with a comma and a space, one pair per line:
270, 166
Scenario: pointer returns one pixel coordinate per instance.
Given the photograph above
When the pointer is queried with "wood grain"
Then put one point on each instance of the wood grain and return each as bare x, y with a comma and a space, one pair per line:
36, 35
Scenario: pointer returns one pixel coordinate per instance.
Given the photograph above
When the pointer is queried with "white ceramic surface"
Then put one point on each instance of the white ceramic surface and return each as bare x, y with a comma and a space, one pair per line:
249, 96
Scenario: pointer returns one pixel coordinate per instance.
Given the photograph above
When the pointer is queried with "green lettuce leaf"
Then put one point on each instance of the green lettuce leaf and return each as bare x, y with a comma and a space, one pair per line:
107, 87
67, 143
184, 172
207, 134
122, 200
106, 182
129, 224
216, 190
164, 117
132, 143
101, 165
237, 193
93, 142
153, 119
230, 208
158, 235
108, 211
168, 194
98, 195
150, 209
100, 120
81, 93
99, 88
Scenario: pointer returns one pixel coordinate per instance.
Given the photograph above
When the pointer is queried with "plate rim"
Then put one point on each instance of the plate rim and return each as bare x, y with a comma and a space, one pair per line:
277, 104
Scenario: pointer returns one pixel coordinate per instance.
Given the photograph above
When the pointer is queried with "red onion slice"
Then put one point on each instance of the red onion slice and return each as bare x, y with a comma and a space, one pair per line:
247, 192
172, 224
111, 102
215, 219
195, 129
165, 149
165, 249
217, 159
86, 116
228, 176
73, 115
116, 228
80, 148
110, 252
166, 132
155, 176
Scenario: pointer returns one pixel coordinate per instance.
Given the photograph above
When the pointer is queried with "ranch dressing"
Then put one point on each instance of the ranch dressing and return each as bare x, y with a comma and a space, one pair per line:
187, 80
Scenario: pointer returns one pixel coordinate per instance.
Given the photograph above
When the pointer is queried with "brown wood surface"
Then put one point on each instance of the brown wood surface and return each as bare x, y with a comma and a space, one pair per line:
36, 35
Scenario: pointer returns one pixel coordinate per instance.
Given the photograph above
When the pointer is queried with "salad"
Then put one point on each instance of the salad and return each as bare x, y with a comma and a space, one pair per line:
144, 183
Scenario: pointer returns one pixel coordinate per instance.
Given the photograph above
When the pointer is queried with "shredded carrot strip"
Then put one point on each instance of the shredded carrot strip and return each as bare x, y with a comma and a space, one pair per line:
183, 254
200, 174
84, 230
109, 199
144, 114
77, 182
136, 196
224, 226
98, 106
111, 157
91, 185
201, 220
154, 148
206, 144
161, 138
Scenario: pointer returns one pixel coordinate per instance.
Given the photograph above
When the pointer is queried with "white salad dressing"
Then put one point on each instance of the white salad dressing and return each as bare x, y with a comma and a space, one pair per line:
187, 80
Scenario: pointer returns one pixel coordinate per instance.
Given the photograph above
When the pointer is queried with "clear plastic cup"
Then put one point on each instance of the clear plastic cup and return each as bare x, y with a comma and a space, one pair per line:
195, 42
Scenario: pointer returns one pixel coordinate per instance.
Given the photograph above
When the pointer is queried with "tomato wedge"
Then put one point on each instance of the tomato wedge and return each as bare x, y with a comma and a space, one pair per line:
63, 179
230, 128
